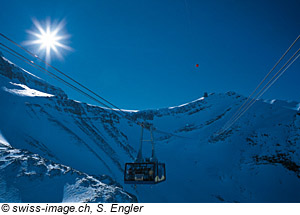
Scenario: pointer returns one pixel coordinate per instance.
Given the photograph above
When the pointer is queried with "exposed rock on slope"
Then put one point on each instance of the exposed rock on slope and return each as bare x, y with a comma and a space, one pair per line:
256, 160
27, 177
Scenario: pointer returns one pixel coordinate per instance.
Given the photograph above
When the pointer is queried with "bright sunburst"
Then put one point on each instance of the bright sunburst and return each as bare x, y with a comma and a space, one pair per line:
49, 38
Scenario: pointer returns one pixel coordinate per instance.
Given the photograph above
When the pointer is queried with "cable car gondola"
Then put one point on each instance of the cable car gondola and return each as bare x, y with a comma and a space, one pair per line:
145, 171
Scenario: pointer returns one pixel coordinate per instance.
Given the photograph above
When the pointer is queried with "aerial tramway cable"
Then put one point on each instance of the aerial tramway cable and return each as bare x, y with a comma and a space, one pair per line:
31, 63
157, 169
259, 94
46, 71
245, 106
236, 113
265, 88
59, 71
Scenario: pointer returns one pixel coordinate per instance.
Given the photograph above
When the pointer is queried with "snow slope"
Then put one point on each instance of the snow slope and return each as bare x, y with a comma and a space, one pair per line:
27, 177
257, 160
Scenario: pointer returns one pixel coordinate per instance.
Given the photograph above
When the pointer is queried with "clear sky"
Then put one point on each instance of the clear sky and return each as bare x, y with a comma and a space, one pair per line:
141, 54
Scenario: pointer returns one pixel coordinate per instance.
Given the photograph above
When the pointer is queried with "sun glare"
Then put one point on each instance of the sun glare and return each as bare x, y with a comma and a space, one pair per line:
49, 38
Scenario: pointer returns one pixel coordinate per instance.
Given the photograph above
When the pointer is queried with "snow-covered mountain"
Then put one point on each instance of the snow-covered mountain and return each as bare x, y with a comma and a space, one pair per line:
27, 177
257, 160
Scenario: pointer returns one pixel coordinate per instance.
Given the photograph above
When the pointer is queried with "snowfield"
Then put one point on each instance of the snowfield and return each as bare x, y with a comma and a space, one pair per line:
26, 91
256, 160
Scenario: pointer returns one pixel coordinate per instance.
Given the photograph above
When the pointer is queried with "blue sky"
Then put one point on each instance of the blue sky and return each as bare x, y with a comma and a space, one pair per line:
141, 54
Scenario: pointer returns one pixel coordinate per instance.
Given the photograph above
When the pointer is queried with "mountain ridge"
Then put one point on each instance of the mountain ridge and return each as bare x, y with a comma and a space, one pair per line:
234, 167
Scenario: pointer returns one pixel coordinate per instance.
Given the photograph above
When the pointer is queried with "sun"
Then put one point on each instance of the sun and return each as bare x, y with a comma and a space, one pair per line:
49, 38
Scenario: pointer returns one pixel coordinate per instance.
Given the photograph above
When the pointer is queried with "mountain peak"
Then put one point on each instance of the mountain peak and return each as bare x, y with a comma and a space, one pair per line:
256, 160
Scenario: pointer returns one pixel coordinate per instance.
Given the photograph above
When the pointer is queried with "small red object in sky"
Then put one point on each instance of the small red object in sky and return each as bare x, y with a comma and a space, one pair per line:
197, 65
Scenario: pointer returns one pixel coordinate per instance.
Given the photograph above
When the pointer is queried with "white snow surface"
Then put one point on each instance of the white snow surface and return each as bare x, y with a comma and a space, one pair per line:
26, 91
27, 177
3, 141
256, 160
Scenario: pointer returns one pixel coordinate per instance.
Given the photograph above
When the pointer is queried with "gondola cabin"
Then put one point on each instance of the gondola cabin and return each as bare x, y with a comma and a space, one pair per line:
144, 173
